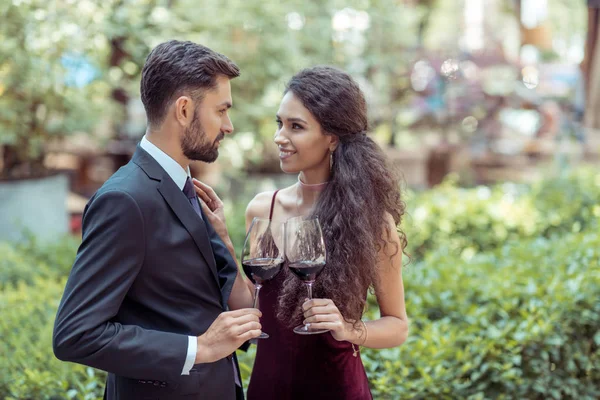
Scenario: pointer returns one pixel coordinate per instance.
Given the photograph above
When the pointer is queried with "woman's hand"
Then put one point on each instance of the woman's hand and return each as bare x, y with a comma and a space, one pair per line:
213, 208
324, 314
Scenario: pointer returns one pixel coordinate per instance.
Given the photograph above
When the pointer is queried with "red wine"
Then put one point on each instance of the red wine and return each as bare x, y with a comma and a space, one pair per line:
307, 270
259, 270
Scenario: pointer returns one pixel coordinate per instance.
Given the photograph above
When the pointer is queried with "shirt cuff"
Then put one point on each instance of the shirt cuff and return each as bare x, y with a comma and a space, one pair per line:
191, 355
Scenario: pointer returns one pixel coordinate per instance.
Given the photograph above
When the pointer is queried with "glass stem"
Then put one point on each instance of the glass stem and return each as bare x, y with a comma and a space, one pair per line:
309, 287
256, 291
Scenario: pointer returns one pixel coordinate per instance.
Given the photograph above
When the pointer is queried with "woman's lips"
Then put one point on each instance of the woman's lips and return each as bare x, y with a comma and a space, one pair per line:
285, 154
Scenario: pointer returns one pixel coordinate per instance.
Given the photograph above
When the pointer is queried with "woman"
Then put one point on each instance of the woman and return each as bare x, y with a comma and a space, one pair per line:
343, 178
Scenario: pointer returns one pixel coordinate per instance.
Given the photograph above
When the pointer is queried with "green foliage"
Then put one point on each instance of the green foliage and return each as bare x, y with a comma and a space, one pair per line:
28, 368
502, 296
246, 361
16, 266
493, 314
29, 260
467, 221
112, 39
39, 99
519, 322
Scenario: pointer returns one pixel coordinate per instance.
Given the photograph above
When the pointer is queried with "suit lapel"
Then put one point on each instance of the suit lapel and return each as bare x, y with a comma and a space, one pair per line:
180, 206
190, 220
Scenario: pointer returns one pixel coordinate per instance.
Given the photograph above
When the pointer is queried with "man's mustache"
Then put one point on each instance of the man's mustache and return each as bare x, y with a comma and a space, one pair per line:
220, 137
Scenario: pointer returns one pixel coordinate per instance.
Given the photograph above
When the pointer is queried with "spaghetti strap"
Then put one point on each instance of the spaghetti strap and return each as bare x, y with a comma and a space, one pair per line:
272, 205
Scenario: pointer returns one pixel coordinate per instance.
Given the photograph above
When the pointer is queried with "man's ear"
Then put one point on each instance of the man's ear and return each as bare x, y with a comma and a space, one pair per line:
184, 110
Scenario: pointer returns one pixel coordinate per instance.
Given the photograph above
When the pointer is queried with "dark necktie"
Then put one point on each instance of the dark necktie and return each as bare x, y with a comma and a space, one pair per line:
190, 193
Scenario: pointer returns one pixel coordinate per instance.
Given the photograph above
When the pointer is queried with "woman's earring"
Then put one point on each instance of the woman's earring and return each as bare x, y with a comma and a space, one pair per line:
330, 160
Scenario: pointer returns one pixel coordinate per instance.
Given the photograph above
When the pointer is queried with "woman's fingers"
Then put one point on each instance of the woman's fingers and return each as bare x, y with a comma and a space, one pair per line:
202, 194
205, 199
205, 208
322, 325
322, 318
315, 303
328, 309
207, 190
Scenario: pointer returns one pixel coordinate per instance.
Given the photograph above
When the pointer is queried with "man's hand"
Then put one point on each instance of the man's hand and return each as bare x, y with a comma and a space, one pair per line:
227, 333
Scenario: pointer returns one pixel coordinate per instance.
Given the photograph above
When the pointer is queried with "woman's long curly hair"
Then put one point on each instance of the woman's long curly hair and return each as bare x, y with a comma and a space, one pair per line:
352, 208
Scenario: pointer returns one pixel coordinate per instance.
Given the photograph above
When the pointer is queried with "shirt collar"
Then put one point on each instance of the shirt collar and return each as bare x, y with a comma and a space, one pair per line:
172, 167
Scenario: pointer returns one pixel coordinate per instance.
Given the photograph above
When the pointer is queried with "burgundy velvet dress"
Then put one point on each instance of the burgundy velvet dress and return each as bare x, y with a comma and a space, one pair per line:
289, 366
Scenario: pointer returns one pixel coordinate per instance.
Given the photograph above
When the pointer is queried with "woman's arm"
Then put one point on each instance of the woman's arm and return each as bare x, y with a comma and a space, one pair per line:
391, 330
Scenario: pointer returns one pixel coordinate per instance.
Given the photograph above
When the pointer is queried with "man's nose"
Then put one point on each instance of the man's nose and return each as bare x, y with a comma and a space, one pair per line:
227, 127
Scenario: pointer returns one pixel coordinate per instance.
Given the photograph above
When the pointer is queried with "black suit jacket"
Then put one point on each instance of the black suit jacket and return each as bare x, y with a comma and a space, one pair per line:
148, 274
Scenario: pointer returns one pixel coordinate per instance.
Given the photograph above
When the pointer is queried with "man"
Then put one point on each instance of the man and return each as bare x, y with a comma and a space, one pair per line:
149, 291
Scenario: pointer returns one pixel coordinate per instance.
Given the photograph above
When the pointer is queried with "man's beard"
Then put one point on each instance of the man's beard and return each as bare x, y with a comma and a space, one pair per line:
195, 146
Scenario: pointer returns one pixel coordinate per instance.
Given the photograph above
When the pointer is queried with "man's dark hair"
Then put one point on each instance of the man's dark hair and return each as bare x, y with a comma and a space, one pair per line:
174, 68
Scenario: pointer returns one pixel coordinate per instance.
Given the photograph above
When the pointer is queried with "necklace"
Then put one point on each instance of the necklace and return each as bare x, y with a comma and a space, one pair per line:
317, 187
312, 187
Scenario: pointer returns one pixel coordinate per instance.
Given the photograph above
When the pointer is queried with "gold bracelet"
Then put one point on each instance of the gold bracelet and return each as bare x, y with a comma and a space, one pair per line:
357, 348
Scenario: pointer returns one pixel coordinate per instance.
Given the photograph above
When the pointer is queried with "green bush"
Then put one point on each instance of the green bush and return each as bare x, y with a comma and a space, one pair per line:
502, 297
32, 278
28, 368
519, 322
16, 266
483, 218
30, 259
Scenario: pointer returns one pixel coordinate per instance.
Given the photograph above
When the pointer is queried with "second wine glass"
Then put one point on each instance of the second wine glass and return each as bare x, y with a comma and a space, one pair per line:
306, 256
262, 258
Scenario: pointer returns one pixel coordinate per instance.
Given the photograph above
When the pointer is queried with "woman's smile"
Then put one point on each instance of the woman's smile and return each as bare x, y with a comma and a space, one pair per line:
284, 154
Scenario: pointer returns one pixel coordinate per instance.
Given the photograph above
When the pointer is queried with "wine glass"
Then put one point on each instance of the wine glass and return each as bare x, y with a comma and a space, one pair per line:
306, 256
261, 257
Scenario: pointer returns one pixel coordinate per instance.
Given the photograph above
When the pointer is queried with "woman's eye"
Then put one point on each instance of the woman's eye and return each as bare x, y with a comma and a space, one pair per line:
279, 124
296, 126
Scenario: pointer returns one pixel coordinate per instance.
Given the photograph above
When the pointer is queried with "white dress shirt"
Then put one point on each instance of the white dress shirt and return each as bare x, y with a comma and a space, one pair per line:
179, 176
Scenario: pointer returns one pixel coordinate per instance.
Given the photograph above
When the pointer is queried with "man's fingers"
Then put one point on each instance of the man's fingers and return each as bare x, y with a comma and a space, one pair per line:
250, 335
249, 326
244, 319
242, 311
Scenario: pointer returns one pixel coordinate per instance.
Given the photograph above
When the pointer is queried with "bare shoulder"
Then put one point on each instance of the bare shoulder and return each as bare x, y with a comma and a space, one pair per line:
391, 238
390, 225
260, 205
